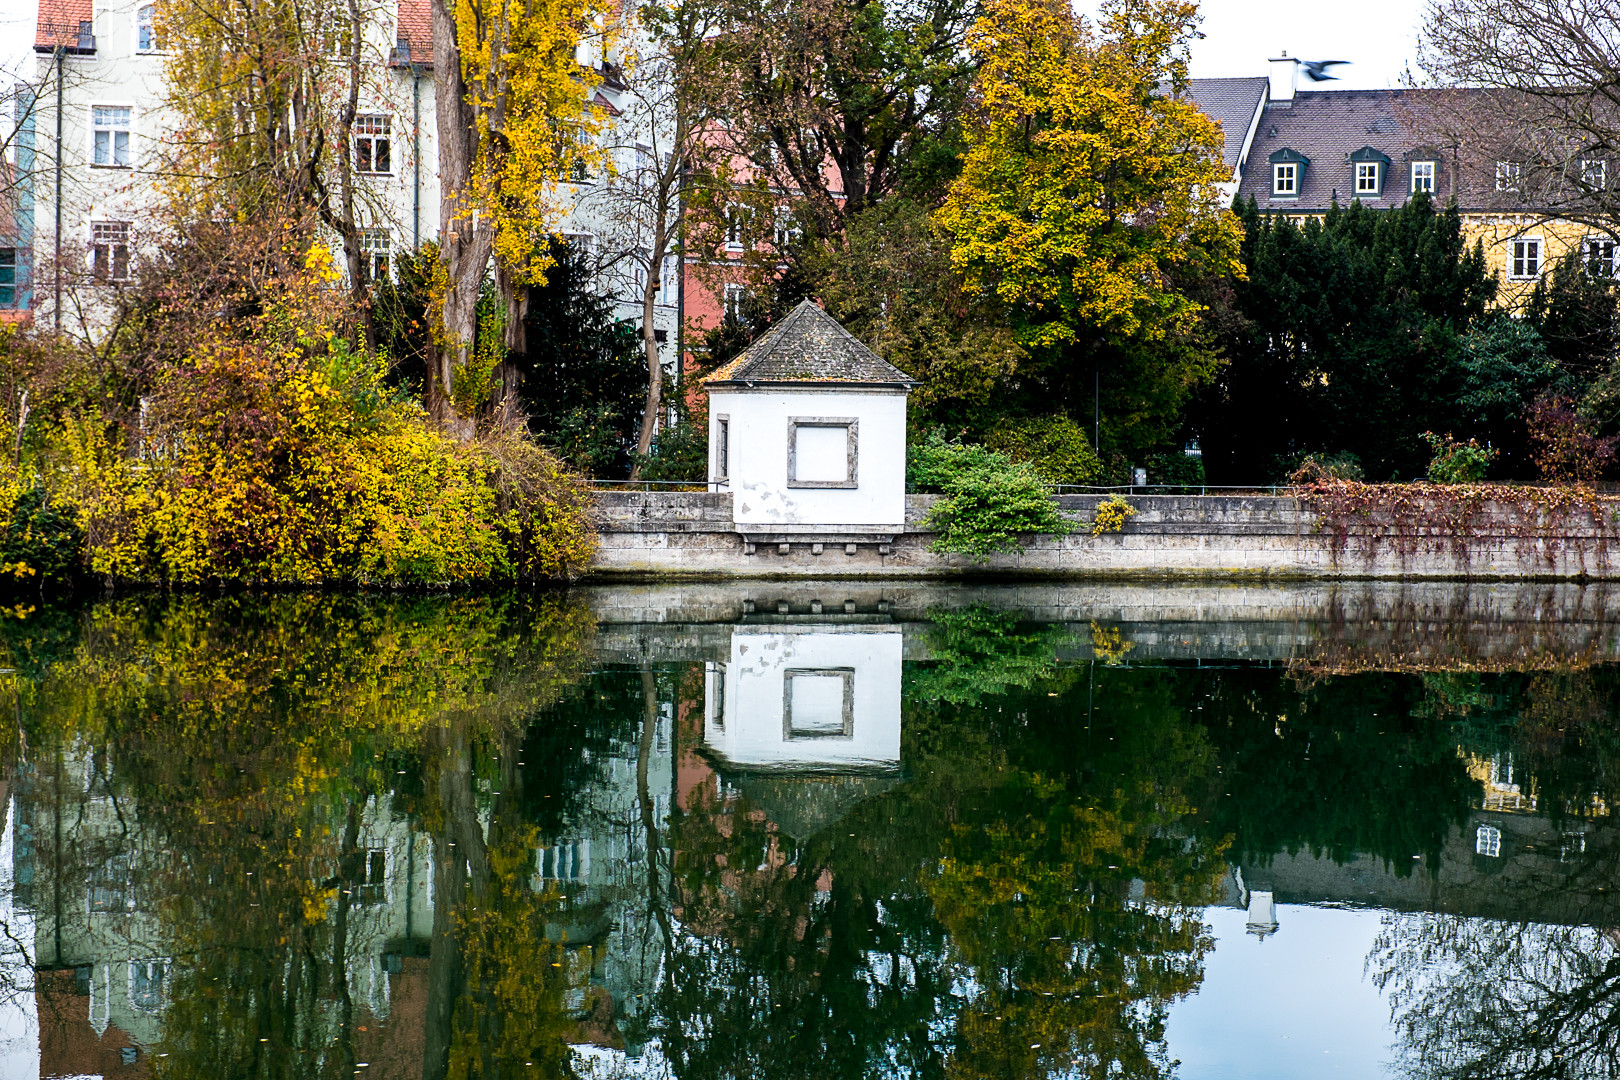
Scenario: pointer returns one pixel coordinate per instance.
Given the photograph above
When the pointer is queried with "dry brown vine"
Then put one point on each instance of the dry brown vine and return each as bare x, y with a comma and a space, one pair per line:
1444, 518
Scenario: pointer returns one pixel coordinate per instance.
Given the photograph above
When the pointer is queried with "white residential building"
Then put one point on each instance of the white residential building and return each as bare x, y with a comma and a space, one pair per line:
88, 161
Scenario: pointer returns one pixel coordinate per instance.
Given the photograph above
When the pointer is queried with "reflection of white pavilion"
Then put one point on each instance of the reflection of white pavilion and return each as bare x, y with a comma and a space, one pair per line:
796, 699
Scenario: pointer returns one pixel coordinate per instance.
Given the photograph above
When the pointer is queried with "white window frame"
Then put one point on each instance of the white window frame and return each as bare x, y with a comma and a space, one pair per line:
113, 131
732, 298
100, 238
1600, 252
150, 25
787, 229
367, 893
1525, 258
1367, 178
1509, 175
1425, 180
1488, 841
143, 967
669, 281
377, 248
1594, 173
373, 129
735, 213
1285, 170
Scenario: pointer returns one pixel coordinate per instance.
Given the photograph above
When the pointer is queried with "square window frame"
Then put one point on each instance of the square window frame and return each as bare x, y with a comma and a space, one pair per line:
846, 729
1292, 191
851, 426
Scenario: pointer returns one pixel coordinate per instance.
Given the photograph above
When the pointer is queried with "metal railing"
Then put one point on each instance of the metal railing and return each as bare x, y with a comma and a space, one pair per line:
1167, 489
663, 485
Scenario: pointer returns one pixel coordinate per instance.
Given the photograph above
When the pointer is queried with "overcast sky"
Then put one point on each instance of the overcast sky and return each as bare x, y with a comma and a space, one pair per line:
1377, 36
1239, 36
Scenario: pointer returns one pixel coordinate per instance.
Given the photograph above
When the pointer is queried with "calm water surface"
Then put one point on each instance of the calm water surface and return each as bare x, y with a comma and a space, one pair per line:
814, 830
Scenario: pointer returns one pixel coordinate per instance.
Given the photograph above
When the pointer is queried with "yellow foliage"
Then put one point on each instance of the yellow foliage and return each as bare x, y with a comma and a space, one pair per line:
1112, 513
534, 118
1090, 179
304, 470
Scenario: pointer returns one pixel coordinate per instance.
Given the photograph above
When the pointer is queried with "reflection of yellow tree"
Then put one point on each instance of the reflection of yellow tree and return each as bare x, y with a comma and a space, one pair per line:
1076, 922
1076, 907
248, 737
314, 668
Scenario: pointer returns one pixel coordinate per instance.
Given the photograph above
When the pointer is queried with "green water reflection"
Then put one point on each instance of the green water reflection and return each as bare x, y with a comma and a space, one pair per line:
497, 837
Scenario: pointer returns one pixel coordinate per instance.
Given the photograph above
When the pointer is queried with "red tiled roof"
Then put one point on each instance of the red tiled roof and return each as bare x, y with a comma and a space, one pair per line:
59, 22
415, 19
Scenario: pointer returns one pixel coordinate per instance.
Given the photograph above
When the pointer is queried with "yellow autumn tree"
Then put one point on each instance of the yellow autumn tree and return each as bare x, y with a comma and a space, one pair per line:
513, 119
1090, 185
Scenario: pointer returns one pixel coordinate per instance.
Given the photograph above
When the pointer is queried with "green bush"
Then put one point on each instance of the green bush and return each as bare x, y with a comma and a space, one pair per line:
680, 452
989, 499
40, 540
1054, 446
1176, 468
1457, 462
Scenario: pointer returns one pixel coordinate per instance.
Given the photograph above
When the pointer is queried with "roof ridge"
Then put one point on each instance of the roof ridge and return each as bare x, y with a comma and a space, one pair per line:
809, 345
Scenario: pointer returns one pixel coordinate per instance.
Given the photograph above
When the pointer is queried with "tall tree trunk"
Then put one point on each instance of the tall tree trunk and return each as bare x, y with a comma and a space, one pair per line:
464, 240
649, 345
507, 378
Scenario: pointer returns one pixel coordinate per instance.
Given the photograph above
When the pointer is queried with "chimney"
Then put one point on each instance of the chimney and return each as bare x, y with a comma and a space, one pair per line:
1284, 77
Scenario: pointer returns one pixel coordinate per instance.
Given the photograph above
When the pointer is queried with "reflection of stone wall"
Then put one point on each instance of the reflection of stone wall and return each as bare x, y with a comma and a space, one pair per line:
651, 534
1322, 625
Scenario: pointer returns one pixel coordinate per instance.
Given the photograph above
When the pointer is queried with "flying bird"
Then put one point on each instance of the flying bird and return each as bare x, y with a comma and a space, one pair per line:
1316, 70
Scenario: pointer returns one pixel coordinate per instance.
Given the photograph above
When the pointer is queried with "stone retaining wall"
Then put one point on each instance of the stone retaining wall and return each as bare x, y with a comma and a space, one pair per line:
659, 535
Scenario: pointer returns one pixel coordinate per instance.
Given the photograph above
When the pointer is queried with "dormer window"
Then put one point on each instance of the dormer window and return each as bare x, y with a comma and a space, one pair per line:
1368, 168
1423, 176
1288, 173
1594, 174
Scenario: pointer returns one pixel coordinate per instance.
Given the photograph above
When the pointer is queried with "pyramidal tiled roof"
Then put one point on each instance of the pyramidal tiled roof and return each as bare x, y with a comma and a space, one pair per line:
808, 346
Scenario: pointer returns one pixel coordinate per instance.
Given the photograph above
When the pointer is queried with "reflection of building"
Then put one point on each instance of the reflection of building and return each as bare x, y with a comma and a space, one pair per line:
802, 698
805, 718
1494, 865
95, 880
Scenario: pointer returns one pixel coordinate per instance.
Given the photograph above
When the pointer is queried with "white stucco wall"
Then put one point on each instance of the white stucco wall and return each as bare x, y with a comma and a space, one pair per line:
758, 424
747, 720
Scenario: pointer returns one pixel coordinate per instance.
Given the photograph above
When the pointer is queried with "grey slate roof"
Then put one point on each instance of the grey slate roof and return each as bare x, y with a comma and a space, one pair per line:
1327, 126
1230, 103
809, 346
1463, 131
